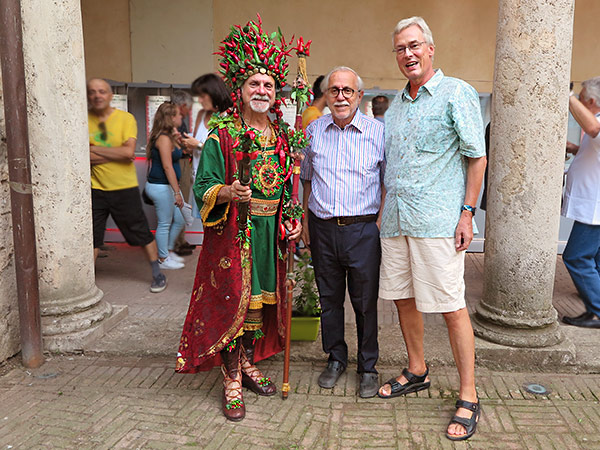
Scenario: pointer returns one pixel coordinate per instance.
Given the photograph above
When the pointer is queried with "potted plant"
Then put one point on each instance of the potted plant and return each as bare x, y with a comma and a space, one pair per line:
307, 310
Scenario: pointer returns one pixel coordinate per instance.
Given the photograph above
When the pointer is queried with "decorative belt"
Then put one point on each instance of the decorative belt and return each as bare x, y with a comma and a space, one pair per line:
349, 220
261, 207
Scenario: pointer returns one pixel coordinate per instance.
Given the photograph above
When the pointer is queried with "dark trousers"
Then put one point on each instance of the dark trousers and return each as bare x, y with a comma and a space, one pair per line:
351, 253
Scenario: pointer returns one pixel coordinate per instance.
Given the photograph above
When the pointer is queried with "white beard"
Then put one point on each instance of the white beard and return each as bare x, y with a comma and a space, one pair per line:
259, 106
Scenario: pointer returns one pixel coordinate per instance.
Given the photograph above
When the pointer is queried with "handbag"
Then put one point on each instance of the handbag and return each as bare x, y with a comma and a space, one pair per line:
147, 200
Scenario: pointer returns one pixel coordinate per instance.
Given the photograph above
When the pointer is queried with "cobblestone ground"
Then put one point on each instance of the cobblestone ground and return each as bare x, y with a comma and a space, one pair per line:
99, 402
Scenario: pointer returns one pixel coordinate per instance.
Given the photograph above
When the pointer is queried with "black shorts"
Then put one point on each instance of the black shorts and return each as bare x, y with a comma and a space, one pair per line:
125, 207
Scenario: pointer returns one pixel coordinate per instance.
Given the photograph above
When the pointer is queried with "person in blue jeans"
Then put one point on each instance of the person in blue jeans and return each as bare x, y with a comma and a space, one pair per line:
163, 153
582, 204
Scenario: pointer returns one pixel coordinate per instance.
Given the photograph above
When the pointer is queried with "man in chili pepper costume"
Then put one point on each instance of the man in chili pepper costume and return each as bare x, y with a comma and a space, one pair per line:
237, 309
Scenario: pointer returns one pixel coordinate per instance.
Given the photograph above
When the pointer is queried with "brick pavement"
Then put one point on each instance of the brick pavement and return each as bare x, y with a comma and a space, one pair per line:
98, 402
123, 393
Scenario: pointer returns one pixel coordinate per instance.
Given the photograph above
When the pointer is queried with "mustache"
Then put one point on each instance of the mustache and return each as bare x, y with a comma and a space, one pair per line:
260, 97
344, 103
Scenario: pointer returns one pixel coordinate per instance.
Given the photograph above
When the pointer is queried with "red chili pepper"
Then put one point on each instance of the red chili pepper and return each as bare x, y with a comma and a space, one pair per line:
282, 231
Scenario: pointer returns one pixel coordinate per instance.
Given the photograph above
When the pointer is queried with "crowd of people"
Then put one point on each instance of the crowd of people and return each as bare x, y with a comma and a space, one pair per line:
389, 204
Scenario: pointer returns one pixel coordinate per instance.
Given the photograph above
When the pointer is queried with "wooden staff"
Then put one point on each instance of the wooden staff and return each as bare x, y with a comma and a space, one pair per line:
302, 53
244, 179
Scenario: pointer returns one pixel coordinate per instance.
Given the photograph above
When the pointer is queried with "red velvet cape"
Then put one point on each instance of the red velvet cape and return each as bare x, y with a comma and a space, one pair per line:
222, 291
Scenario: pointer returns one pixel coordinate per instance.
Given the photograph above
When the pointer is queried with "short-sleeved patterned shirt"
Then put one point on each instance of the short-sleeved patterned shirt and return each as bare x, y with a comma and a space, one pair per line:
428, 141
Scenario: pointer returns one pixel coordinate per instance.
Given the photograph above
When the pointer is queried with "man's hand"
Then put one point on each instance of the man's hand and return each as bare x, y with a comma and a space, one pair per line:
294, 231
464, 231
240, 193
305, 235
572, 148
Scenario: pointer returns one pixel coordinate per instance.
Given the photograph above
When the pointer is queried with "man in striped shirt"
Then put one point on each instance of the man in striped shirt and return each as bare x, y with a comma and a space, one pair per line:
342, 173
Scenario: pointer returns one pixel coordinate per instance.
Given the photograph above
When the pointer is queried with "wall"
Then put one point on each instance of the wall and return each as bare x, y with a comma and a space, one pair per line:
9, 315
586, 51
176, 45
360, 34
106, 37
171, 44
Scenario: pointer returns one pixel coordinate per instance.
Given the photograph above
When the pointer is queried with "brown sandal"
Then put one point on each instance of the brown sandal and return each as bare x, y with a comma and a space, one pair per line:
233, 402
253, 378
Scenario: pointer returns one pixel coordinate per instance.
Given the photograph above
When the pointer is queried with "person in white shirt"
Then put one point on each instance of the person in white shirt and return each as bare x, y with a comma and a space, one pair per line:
582, 204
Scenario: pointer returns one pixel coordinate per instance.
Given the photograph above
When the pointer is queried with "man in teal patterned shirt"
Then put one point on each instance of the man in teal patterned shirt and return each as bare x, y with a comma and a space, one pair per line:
435, 155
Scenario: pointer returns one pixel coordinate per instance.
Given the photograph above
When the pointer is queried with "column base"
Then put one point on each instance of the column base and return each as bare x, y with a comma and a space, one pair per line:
526, 336
89, 318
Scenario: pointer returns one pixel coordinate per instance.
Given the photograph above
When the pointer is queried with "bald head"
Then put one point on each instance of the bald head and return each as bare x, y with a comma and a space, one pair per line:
99, 94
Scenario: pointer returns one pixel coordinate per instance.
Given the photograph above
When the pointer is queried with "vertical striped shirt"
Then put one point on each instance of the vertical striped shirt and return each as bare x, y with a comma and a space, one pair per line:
345, 166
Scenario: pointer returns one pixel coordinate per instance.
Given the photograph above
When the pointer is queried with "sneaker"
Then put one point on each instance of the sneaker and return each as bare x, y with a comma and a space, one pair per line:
159, 283
175, 257
170, 264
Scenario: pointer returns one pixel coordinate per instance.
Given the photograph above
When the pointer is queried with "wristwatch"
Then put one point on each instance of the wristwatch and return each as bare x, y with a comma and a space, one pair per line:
469, 208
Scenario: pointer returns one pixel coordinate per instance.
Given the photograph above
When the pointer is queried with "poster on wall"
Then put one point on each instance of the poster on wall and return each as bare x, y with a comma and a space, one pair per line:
152, 104
119, 101
289, 113
196, 108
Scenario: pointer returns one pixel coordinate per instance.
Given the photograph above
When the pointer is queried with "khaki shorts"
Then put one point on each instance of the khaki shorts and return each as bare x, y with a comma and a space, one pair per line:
428, 269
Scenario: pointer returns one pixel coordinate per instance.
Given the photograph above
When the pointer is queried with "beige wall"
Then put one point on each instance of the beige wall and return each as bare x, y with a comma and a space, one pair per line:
586, 51
175, 44
106, 39
359, 34
171, 42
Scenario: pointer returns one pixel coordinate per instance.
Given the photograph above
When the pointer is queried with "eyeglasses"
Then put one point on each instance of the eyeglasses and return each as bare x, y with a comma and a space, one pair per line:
413, 47
347, 92
103, 132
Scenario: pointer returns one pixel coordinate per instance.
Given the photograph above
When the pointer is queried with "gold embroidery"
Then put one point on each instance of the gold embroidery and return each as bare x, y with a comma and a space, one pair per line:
261, 207
198, 327
236, 328
213, 280
225, 263
209, 200
269, 298
256, 302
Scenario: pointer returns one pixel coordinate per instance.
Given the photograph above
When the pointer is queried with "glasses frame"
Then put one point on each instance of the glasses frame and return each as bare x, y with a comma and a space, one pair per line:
334, 92
400, 51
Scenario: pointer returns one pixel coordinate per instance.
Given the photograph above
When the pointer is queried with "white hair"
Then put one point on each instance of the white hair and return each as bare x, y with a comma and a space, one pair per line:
418, 21
592, 88
325, 82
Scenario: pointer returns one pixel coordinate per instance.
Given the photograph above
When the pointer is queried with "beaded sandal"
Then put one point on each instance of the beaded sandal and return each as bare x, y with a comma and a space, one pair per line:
233, 402
253, 378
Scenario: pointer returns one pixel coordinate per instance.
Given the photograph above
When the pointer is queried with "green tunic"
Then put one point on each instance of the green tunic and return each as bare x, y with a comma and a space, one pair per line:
267, 185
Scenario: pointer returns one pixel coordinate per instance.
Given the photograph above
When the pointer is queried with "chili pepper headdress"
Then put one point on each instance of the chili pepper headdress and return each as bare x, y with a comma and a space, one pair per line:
249, 50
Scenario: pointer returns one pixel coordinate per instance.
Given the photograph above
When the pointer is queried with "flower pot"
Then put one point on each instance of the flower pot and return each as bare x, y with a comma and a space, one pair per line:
305, 328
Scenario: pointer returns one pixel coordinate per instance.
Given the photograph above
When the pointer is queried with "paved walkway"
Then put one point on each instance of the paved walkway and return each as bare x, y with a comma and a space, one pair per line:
85, 402
122, 392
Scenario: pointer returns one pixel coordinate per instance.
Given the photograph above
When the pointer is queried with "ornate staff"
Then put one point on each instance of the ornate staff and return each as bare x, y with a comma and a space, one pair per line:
298, 141
245, 151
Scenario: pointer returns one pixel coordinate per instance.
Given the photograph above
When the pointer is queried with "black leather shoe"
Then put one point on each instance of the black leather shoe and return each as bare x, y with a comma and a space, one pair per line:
331, 374
369, 384
586, 320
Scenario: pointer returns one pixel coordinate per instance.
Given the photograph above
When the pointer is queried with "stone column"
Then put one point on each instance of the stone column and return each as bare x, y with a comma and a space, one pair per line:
71, 305
528, 136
